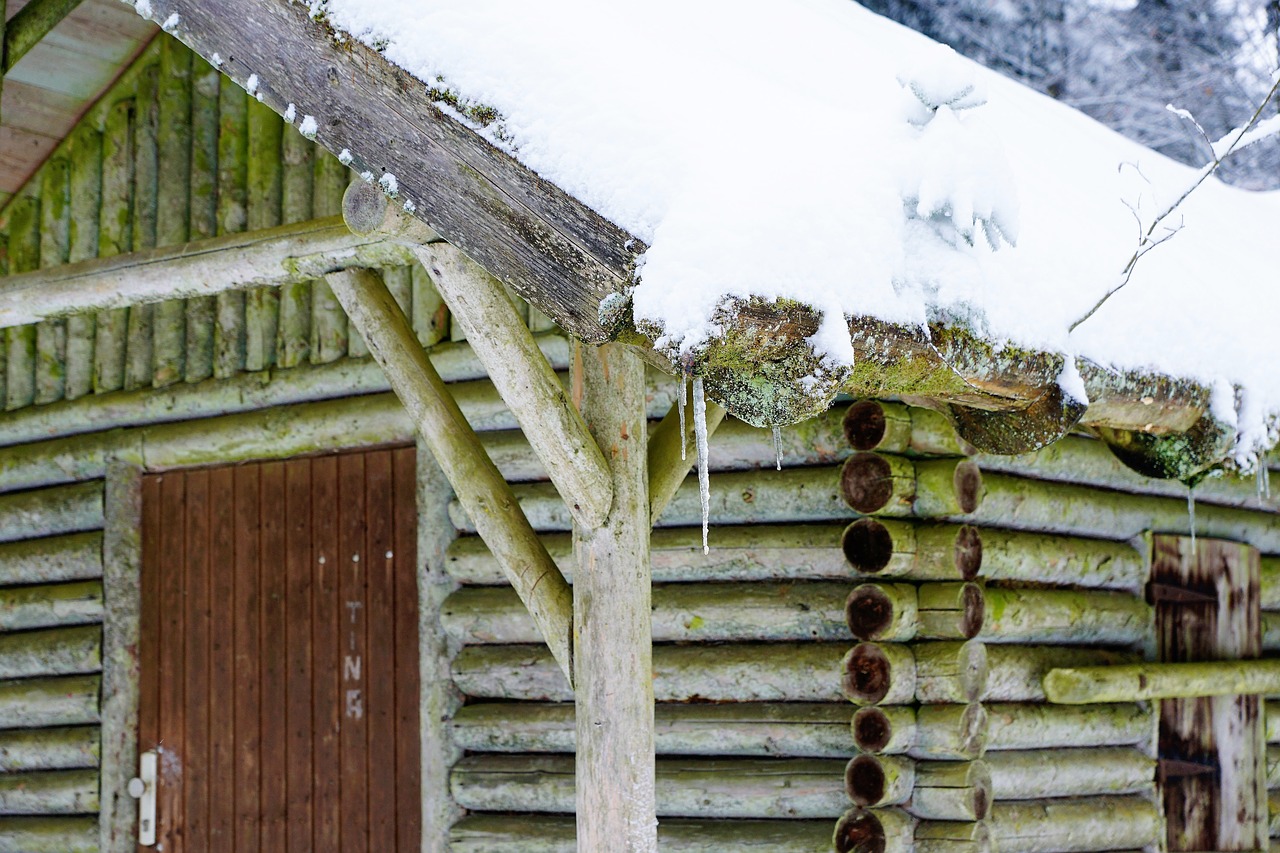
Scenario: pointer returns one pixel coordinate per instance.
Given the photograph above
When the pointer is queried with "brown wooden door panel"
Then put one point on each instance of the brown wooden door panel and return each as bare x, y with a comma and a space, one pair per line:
279, 654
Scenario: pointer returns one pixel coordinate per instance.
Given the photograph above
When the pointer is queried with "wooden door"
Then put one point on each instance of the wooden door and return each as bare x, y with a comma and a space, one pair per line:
279, 655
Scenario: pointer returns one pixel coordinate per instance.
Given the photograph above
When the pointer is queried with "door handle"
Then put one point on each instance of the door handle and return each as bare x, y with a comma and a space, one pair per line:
143, 789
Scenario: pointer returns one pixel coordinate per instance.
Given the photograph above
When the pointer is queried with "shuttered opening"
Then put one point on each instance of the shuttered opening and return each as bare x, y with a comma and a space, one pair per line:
279, 654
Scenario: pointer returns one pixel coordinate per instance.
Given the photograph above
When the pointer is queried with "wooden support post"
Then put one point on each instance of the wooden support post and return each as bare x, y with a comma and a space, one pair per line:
667, 469
1226, 808
476, 480
612, 634
481, 306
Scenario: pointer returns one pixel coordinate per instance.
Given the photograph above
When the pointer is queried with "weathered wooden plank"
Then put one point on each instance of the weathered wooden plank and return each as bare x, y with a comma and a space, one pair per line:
246, 697
296, 206
173, 201
326, 639
232, 213
352, 635
1225, 809
483, 200
55, 249
474, 477
50, 512
50, 792
791, 672
272, 801
265, 174
760, 729
34, 702
67, 748
418, 659
682, 612
298, 675
49, 834
51, 560
222, 664
115, 237
380, 701
140, 347
483, 833
86, 204
20, 340
204, 212
329, 333
706, 788
48, 606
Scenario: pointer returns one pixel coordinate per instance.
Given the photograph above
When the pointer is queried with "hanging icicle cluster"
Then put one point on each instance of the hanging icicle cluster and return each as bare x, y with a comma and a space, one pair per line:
700, 436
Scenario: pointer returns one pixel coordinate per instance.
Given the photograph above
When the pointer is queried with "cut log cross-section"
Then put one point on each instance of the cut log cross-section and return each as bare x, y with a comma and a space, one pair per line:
476, 480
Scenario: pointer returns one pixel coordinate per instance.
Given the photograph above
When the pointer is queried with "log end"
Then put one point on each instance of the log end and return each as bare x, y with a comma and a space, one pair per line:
866, 674
973, 667
868, 611
865, 425
974, 728
968, 551
872, 729
973, 610
364, 208
864, 781
859, 831
868, 546
968, 485
866, 481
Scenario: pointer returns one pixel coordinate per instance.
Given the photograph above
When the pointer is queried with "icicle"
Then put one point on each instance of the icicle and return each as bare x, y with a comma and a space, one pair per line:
700, 435
777, 445
1191, 513
682, 397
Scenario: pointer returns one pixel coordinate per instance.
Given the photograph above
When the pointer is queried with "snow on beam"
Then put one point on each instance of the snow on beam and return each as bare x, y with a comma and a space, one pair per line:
548, 247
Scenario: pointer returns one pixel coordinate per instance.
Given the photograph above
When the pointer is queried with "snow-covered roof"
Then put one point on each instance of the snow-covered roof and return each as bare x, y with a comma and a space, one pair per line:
816, 152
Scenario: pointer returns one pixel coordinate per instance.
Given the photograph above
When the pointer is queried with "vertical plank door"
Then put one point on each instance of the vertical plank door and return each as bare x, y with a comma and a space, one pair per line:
279, 654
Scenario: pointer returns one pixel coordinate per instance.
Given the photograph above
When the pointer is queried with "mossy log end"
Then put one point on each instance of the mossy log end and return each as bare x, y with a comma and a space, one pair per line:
930, 673
1047, 419
898, 428
893, 830
1188, 456
939, 790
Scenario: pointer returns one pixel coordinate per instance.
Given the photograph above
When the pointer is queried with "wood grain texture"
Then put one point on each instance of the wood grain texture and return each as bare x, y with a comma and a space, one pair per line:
1224, 809
278, 705
482, 200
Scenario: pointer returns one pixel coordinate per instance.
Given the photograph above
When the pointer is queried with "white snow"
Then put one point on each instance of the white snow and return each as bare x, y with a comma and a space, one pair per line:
345, 157
290, 113
171, 23
251, 85
216, 60
143, 8
308, 127
389, 184
812, 150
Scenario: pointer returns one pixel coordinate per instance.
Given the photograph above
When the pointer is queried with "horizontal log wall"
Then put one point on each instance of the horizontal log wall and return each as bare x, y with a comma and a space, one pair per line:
51, 605
174, 152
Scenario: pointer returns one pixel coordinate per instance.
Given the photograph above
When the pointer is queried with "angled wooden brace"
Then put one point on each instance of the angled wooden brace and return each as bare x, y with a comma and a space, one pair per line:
507, 349
480, 488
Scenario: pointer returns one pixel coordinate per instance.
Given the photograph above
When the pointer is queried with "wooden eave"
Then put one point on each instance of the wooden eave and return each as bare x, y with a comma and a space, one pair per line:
568, 261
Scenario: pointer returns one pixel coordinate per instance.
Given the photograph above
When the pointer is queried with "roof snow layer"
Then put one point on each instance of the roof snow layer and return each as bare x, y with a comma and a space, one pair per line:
814, 151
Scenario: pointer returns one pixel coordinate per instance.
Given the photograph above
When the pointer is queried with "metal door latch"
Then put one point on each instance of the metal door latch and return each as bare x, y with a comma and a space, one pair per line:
143, 789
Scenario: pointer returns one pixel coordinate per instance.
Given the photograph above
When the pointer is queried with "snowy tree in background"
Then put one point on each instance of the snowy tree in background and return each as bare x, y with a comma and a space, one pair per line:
1123, 61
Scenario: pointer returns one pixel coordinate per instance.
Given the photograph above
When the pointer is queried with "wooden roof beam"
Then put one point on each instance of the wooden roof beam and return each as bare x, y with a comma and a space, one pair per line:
506, 347
532, 236
32, 23
480, 487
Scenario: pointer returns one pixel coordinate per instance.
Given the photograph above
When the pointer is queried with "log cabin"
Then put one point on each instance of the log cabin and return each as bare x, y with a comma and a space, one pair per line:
331, 523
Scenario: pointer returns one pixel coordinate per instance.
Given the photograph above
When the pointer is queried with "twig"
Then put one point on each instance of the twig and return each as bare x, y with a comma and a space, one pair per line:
1146, 243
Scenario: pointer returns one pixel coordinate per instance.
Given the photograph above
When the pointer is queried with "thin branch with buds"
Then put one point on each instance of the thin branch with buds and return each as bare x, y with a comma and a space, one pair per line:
1235, 140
